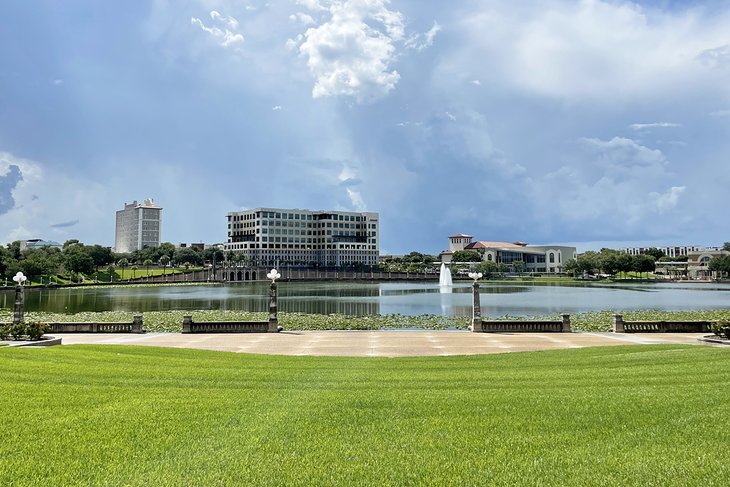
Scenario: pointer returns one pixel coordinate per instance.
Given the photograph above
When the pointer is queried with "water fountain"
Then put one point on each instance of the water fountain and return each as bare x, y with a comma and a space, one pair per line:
445, 276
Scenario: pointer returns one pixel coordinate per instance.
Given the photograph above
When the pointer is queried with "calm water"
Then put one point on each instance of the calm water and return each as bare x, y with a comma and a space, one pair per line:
384, 298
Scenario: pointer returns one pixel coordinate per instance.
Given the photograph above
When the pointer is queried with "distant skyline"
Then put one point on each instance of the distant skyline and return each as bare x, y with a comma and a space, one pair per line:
587, 123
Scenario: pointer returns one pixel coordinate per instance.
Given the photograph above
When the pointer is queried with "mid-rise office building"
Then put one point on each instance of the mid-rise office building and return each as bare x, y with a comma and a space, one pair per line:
138, 226
672, 251
276, 236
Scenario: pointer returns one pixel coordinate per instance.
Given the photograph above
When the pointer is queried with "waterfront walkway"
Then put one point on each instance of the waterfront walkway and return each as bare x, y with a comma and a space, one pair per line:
381, 343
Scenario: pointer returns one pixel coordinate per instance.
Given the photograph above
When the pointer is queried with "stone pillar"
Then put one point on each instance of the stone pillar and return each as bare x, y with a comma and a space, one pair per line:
566, 323
187, 324
618, 324
19, 308
476, 316
137, 325
273, 314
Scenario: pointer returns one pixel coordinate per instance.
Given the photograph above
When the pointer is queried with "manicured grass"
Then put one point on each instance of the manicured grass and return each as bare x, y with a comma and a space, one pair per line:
108, 415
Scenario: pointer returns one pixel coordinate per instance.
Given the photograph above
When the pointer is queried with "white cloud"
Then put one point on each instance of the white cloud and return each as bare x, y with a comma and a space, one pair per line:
420, 42
351, 53
718, 57
450, 116
276, 108
668, 200
58, 82
599, 49
646, 126
720, 113
356, 199
476, 82
227, 34
45, 197
623, 152
302, 18
311, 4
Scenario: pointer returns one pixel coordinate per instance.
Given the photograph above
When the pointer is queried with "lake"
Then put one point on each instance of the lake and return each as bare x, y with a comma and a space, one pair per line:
362, 298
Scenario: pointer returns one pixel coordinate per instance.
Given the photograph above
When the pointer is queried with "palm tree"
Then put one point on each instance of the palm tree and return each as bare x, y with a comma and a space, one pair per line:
123, 264
134, 271
165, 261
147, 263
111, 270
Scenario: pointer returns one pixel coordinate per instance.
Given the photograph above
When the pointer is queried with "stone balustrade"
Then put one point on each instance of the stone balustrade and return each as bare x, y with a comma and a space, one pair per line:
524, 326
135, 326
621, 326
190, 326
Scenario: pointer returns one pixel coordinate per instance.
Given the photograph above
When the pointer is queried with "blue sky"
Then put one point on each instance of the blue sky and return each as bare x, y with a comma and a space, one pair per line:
590, 122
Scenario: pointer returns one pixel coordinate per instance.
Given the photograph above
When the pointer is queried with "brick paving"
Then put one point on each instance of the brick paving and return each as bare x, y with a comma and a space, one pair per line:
381, 343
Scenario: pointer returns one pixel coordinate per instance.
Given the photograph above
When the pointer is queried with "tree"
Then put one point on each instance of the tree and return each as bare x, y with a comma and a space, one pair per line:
720, 264
518, 266
487, 267
134, 271
100, 255
77, 260
123, 264
654, 252
588, 262
571, 267
110, 269
467, 256
188, 255
608, 261
69, 243
147, 263
726, 246
35, 264
164, 261
624, 262
644, 263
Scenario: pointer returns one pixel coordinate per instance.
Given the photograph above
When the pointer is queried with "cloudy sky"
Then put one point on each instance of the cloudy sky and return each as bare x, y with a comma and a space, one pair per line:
588, 122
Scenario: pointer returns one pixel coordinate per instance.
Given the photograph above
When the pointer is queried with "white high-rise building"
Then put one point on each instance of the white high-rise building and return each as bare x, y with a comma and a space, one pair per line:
138, 226
276, 236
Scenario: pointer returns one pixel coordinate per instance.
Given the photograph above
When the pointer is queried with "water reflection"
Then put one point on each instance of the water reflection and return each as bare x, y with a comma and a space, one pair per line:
409, 298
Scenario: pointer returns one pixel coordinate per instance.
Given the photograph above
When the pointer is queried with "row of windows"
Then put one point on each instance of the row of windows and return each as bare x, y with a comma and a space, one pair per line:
273, 223
335, 246
296, 216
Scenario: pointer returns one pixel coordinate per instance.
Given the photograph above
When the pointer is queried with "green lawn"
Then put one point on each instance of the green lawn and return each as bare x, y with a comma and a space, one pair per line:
110, 415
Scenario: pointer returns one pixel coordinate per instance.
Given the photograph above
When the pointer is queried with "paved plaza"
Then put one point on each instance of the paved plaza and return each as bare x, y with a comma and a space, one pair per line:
381, 343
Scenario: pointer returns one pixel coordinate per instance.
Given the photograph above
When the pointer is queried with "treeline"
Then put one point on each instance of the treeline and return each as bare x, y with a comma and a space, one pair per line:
610, 262
75, 260
413, 262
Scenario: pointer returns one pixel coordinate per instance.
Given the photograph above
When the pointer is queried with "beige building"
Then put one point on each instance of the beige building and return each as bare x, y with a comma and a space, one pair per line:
277, 236
671, 251
537, 258
698, 263
138, 226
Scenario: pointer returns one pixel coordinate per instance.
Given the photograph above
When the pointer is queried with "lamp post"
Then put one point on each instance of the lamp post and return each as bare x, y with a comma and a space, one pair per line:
273, 311
18, 309
476, 316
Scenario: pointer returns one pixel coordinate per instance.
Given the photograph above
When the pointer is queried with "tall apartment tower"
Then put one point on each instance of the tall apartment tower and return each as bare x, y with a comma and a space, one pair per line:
138, 226
278, 236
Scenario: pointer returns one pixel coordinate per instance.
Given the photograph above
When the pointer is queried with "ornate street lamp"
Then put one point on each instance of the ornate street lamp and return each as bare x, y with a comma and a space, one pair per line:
273, 315
476, 316
19, 309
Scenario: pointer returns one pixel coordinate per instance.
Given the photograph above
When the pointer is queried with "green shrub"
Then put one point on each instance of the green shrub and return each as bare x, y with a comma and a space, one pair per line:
4, 331
721, 328
35, 330
17, 330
